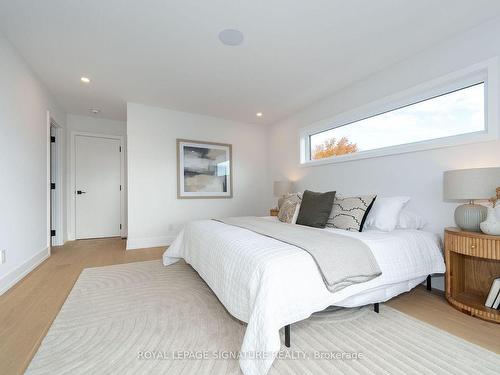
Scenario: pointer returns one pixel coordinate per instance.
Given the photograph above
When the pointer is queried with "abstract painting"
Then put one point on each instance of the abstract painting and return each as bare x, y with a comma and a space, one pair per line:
204, 169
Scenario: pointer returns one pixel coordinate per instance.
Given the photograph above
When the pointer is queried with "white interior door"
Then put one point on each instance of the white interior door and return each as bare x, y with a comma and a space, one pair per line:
97, 187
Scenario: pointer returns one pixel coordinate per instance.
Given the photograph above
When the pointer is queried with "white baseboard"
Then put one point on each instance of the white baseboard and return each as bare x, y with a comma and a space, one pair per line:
142, 243
438, 282
14, 276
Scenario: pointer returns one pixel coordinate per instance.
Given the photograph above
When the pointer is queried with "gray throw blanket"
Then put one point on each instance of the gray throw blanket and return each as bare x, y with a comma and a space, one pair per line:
342, 261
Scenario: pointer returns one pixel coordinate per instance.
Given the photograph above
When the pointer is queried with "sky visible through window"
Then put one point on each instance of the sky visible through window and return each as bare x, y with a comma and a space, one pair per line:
455, 113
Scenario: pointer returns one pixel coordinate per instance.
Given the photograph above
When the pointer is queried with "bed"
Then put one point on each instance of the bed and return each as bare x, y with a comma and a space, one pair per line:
270, 284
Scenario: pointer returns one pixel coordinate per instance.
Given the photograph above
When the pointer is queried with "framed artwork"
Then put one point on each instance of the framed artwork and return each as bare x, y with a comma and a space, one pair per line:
204, 169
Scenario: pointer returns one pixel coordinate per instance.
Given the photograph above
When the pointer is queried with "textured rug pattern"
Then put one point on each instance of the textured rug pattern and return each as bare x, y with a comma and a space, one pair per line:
143, 318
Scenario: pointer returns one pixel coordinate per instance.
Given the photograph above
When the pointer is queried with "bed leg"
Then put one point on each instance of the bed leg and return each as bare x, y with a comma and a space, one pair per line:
376, 307
287, 335
429, 283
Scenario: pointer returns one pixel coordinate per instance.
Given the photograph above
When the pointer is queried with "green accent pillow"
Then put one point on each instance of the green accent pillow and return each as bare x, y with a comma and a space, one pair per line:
315, 208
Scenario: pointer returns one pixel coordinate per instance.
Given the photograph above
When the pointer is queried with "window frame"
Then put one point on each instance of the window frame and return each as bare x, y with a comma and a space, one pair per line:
486, 72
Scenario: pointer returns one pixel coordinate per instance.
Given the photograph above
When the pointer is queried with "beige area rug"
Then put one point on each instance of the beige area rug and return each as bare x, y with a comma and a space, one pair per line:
133, 318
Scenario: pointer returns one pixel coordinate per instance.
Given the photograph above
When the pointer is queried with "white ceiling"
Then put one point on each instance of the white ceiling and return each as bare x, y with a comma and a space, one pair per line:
167, 53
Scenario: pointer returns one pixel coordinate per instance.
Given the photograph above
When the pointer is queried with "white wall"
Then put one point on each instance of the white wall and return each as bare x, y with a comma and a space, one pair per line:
92, 124
417, 174
155, 213
87, 124
24, 102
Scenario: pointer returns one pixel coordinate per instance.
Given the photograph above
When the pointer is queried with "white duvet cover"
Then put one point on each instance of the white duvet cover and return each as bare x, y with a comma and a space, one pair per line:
269, 284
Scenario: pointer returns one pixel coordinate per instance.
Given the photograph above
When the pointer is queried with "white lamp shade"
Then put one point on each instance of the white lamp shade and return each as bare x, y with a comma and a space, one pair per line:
468, 184
281, 188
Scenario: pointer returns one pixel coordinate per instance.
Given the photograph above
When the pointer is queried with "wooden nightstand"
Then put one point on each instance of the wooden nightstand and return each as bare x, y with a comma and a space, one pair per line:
472, 262
273, 212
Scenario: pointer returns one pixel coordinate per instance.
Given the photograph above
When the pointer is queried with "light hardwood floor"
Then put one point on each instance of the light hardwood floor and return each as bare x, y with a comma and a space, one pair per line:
28, 309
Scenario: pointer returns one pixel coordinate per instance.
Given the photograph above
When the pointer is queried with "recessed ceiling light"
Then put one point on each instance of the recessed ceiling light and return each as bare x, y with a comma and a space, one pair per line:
94, 111
85, 79
231, 37
258, 114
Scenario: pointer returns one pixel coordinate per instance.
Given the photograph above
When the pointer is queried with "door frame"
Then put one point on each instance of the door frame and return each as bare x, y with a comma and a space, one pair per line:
72, 185
47, 181
57, 220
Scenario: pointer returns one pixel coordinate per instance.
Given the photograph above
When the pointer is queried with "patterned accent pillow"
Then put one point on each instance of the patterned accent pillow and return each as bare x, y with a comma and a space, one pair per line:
349, 213
284, 197
289, 208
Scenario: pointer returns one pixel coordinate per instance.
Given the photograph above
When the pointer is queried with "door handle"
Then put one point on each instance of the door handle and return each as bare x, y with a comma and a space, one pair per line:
80, 192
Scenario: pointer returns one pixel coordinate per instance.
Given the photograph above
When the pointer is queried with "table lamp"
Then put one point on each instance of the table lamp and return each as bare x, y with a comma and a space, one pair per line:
470, 185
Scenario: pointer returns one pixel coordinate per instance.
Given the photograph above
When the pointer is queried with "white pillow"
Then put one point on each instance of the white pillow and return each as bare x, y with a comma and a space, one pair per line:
385, 212
296, 214
410, 220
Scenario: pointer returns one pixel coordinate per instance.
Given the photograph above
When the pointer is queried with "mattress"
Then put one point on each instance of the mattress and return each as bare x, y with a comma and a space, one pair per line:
269, 284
